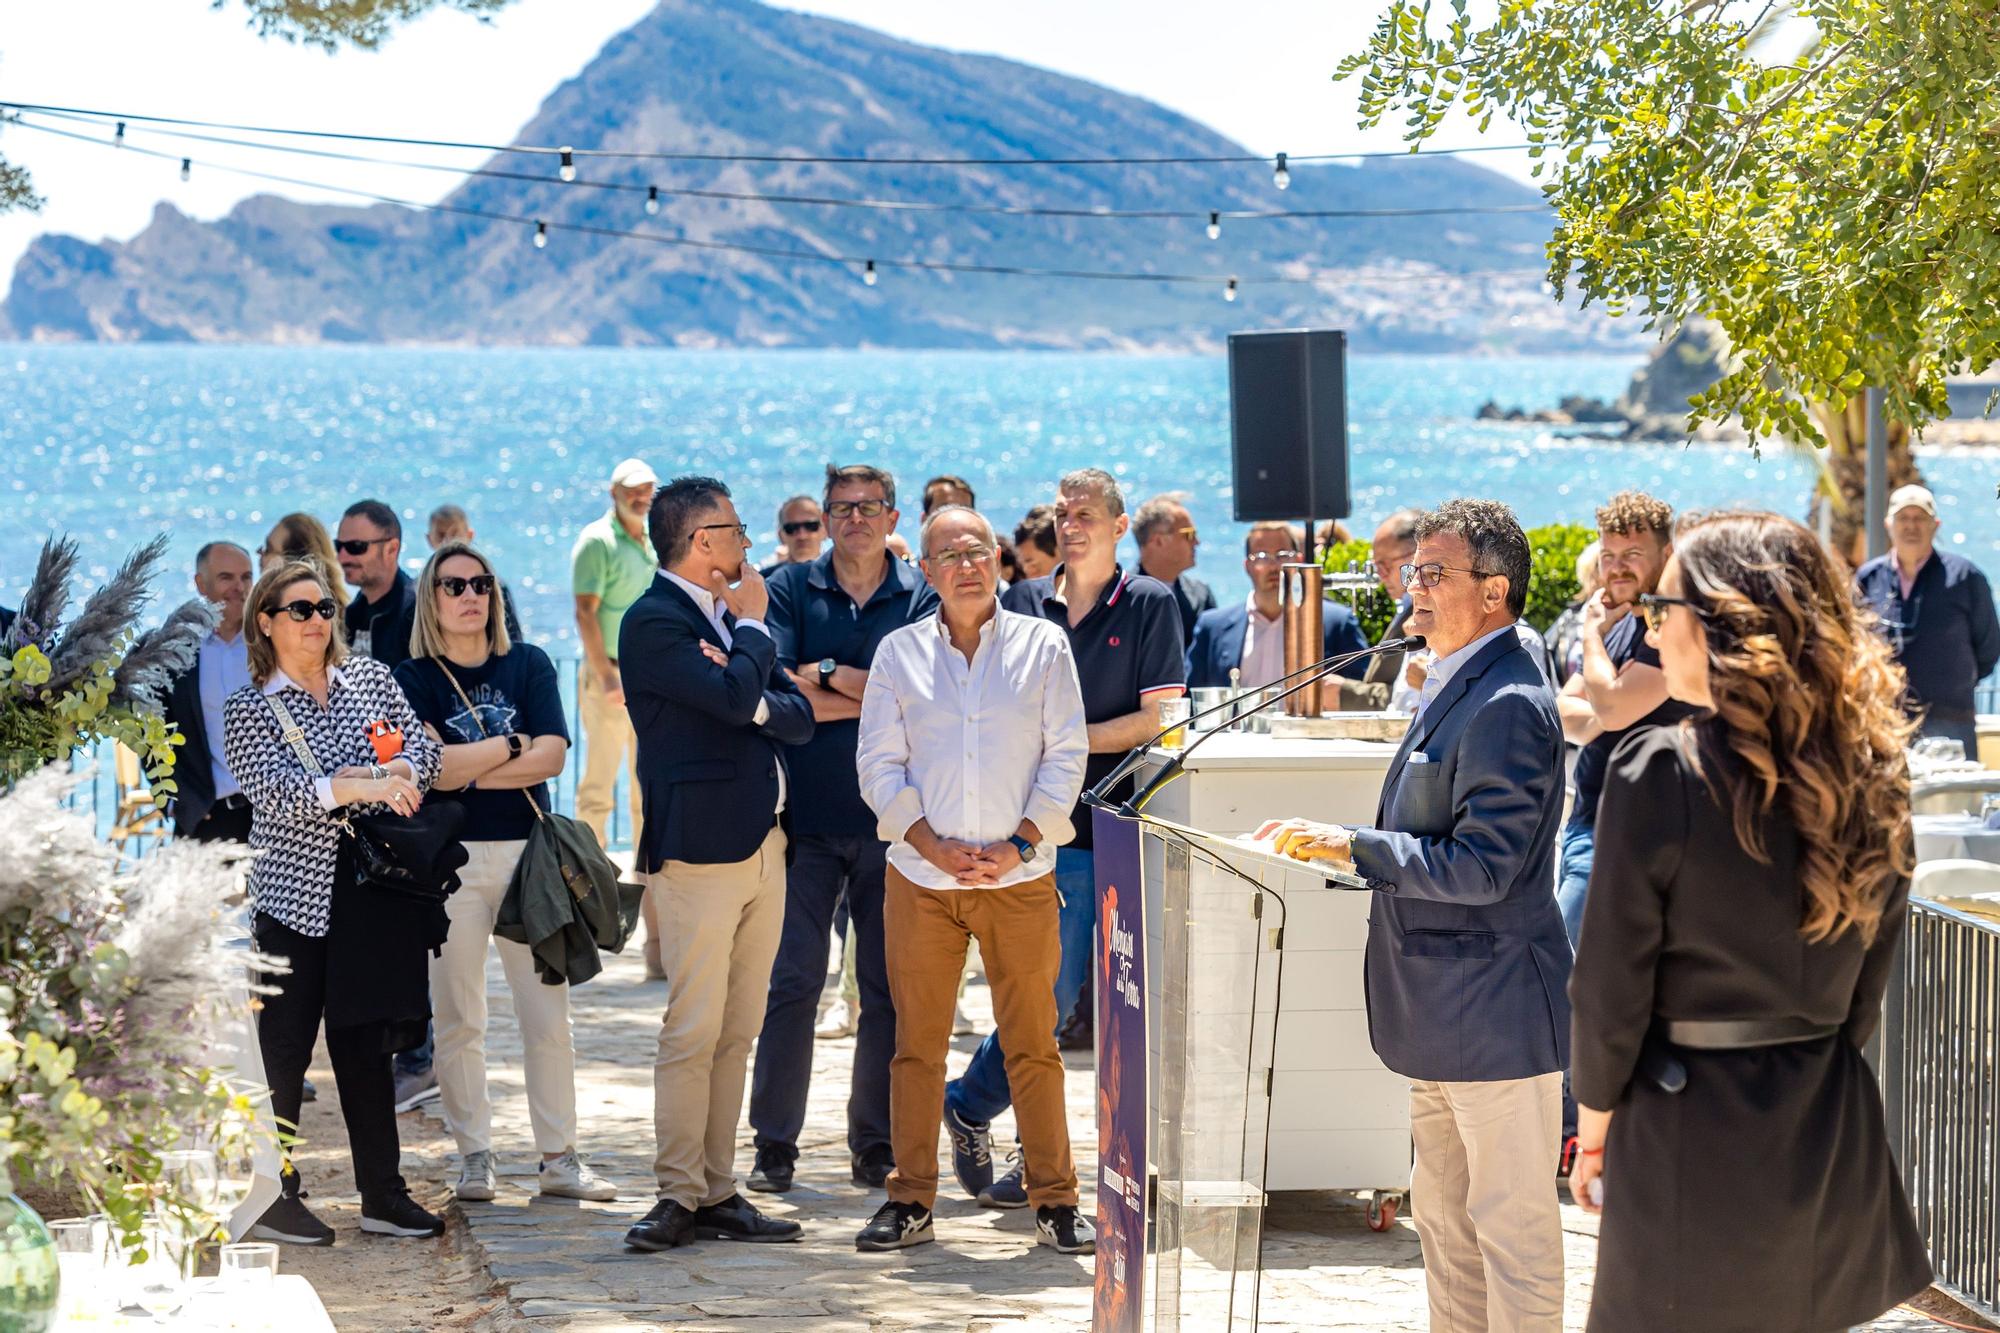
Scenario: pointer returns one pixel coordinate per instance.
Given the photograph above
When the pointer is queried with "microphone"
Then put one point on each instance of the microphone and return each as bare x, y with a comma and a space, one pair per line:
1096, 797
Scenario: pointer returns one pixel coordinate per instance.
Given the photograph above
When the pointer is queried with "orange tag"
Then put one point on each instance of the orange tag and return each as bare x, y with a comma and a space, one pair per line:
387, 738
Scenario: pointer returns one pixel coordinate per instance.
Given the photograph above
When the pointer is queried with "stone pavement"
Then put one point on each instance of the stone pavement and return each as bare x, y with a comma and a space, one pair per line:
563, 1264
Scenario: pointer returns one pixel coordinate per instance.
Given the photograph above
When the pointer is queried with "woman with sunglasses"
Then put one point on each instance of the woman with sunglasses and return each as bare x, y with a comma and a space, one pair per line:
494, 705
302, 787
1750, 887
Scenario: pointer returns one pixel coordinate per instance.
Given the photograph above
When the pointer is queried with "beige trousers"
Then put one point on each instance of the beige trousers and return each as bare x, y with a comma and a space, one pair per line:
1483, 1195
458, 995
719, 928
609, 745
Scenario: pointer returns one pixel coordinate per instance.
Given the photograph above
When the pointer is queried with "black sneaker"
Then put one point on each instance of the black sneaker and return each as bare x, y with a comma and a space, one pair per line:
1009, 1191
896, 1226
774, 1169
397, 1214
1064, 1228
289, 1222
873, 1165
971, 1151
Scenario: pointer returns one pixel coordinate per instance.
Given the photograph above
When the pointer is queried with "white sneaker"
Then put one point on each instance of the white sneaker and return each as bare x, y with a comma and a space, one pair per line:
568, 1177
476, 1179
839, 1022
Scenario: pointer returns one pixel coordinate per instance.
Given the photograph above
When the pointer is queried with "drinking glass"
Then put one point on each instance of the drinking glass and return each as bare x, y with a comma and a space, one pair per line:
193, 1175
80, 1258
159, 1282
249, 1264
1174, 715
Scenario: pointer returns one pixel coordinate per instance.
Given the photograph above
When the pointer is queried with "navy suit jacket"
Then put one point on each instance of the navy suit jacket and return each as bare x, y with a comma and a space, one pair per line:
708, 774
194, 771
1217, 647
1467, 964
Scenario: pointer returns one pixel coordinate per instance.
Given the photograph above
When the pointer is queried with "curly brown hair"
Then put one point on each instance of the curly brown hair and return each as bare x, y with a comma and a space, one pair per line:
1636, 511
1808, 702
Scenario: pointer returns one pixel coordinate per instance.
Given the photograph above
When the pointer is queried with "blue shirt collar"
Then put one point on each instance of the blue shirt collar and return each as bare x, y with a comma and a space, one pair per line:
901, 577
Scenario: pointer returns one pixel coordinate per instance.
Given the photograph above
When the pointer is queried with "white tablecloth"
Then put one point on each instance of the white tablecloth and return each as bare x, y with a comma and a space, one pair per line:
290, 1306
1955, 838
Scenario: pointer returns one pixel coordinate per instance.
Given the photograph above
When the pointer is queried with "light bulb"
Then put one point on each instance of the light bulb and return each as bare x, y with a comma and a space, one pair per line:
118, 139
568, 168
187, 167
541, 235
1229, 292
652, 200
1282, 177
868, 273
1214, 226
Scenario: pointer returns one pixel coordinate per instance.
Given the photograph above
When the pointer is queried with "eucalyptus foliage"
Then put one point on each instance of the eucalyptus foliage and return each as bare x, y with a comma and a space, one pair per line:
1833, 203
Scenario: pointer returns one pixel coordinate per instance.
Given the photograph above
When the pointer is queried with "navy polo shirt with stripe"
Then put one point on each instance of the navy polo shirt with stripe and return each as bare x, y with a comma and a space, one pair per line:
1128, 645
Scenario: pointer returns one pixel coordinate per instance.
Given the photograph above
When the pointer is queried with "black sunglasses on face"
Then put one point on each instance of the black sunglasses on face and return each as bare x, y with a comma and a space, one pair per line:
359, 546
803, 525
455, 587
302, 610
1654, 608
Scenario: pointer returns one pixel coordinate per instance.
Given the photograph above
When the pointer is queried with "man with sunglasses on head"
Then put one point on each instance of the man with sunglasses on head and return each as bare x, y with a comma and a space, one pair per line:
1167, 541
801, 534
1249, 638
369, 546
714, 713
828, 617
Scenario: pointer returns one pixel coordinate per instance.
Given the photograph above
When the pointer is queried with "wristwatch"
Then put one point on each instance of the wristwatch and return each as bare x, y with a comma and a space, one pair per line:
827, 666
1023, 846
515, 745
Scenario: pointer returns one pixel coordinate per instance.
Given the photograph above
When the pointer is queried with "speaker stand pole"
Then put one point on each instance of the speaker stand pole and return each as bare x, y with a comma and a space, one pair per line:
1312, 473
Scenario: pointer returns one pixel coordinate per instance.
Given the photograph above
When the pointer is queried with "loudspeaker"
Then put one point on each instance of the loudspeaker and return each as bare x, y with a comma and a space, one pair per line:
1288, 424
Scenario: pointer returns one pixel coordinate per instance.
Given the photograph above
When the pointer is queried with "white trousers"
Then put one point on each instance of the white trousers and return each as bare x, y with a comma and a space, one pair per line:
458, 997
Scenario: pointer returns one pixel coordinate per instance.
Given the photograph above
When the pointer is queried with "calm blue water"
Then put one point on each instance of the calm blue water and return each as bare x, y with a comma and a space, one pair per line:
115, 444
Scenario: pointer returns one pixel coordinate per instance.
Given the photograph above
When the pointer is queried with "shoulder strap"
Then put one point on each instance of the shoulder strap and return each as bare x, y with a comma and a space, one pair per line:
459, 690
295, 737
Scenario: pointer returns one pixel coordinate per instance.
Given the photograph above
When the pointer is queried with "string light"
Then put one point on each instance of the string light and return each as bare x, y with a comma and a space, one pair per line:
652, 200
187, 167
568, 168
1214, 225
541, 235
868, 273
118, 139
1229, 292
1282, 177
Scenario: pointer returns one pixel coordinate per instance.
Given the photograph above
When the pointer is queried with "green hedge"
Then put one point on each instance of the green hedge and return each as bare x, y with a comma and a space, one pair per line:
1552, 587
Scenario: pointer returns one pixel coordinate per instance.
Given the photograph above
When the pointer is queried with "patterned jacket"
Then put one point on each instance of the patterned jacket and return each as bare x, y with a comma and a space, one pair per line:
295, 824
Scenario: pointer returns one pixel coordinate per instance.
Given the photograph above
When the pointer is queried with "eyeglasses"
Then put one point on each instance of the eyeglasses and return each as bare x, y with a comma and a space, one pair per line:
804, 525
962, 556
1188, 533
1272, 557
1654, 608
742, 533
302, 610
358, 545
865, 508
1432, 574
455, 587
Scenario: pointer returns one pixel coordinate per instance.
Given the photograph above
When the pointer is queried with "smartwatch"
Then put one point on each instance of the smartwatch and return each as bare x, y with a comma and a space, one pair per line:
1023, 846
515, 745
827, 666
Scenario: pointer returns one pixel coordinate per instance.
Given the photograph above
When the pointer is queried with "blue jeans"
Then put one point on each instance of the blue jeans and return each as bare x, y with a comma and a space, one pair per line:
1579, 849
981, 1092
416, 1062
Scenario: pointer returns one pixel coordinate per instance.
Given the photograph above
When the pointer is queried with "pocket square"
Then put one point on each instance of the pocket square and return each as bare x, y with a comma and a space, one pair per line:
1418, 757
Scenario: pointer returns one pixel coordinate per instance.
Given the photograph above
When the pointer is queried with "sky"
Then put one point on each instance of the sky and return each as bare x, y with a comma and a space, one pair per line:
1263, 77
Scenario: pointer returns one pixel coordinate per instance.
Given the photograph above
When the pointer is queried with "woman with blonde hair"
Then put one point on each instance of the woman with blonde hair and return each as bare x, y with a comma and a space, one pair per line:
1750, 887
494, 705
299, 536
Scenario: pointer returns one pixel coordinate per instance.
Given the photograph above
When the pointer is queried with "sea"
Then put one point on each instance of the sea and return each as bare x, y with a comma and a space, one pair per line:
115, 444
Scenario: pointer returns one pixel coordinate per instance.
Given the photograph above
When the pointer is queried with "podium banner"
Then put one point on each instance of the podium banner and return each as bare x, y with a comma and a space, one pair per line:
1123, 1118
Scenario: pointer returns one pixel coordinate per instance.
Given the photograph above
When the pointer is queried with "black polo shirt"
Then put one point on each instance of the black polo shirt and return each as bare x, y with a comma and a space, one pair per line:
1127, 646
1945, 633
812, 618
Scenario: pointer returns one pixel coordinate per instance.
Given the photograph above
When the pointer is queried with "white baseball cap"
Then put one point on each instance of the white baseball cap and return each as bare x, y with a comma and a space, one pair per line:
1912, 497
633, 472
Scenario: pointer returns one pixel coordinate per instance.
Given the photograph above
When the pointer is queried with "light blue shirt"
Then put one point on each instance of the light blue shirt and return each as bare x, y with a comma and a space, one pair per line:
225, 668
1445, 668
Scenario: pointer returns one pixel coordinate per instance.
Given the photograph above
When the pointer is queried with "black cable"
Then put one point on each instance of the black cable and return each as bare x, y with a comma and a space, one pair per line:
1168, 160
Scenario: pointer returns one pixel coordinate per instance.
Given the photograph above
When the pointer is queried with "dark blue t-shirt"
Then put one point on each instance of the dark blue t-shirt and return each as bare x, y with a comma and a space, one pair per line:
1128, 645
1624, 642
517, 693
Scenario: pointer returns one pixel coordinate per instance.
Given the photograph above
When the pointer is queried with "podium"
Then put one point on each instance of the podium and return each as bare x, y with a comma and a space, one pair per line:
1256, 1035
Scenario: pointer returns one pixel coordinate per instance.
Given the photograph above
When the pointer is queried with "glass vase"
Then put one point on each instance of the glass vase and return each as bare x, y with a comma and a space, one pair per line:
29, 1274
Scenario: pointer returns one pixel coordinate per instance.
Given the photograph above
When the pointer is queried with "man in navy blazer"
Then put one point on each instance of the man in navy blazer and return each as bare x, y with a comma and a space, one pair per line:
713, 712
1232, 638
1467, 962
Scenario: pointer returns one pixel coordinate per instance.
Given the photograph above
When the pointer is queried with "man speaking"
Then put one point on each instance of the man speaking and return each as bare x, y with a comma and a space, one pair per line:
1467, 963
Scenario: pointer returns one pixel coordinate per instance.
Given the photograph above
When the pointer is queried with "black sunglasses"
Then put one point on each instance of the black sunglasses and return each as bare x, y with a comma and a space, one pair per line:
302, 610
455, 587
359, 545
804, 525
1654, 608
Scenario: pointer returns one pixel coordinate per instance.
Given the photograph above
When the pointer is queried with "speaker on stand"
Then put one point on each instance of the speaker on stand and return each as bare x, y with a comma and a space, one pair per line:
1288, 426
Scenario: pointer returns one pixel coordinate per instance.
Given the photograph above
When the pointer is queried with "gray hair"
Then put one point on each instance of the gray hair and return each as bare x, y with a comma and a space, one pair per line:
865, 474
794, 500
1099, 483
1494, 536
201, 556
1156, 515
931, 521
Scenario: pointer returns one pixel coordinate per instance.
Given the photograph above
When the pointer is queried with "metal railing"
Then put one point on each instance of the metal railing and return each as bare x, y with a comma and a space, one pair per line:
1941, 1093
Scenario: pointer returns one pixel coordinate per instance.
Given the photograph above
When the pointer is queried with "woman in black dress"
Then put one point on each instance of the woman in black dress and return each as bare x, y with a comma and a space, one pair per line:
1751, 883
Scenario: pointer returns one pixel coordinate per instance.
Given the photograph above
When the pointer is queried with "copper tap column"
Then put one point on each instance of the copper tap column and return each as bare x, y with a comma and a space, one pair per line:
1301, 603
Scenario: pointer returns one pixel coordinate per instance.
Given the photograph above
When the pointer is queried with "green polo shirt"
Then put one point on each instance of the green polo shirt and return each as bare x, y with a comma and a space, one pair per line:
606, 563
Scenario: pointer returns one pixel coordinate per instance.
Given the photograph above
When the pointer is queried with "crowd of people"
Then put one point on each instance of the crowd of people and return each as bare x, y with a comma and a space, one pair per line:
1638, 882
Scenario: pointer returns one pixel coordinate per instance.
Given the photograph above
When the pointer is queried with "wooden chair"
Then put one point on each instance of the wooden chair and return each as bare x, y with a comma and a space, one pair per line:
139, 813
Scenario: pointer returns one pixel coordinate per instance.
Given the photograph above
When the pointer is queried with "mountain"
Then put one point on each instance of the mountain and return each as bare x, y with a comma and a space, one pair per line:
733, 76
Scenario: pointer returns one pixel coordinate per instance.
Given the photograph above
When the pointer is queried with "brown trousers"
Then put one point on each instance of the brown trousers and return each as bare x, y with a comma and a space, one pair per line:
926, 932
